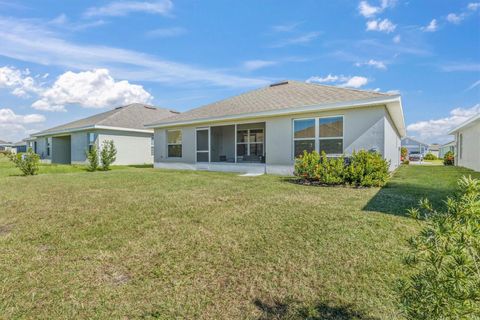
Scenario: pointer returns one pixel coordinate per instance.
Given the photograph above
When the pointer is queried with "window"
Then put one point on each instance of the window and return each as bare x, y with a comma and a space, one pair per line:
320, 134
250, 143
152, 145
174, 143
48, 142
91, 137
203, 150
35, 146
331, 135
303, 136
461, 146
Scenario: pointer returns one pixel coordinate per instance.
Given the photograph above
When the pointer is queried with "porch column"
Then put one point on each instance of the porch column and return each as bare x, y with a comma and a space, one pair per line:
235, 143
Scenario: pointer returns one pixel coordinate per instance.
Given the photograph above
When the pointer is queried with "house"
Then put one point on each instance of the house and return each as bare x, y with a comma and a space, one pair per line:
264, 130
20, 146
68, 143
434, 149
467, 143
444, 148
414, 145
5, 146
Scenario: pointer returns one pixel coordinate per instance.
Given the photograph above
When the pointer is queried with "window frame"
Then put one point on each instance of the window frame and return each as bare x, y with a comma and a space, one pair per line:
208, 144
317, 137
48, 146
174, 144
248, 143
90, 144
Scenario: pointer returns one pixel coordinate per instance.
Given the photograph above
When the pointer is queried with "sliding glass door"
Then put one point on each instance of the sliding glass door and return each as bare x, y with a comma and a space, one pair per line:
203, 145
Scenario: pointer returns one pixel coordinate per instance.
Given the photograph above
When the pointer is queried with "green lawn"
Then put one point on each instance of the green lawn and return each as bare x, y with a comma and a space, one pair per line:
146, 243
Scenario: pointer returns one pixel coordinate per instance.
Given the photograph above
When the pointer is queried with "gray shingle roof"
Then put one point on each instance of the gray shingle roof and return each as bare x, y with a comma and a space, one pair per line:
5, 142
132, 116
285, 95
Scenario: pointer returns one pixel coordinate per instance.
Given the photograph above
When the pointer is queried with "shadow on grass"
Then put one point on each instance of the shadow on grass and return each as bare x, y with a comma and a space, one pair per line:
141, 166
294, 310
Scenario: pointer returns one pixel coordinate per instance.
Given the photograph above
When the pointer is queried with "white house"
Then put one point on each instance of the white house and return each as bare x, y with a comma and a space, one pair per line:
68, 143
467, 143
265, 129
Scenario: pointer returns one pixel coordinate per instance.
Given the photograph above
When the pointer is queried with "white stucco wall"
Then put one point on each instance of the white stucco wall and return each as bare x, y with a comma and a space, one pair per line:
364, 128
469, 156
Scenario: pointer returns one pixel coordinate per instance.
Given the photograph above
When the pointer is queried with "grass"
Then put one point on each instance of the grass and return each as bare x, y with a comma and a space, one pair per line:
146, 243
437, 161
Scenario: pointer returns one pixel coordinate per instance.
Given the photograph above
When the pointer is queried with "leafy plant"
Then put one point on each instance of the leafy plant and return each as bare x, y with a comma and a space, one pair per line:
92, 158
449, 158
406, 162
108, 154
430, 156
306, 165
27, 162
444, 259
404, 152
367, 169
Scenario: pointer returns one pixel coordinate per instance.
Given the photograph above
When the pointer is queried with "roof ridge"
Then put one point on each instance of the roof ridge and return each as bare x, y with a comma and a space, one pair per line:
345, 88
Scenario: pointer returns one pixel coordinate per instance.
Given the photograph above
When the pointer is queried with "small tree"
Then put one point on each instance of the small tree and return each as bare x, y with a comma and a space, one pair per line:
108, 154
92, 157
404, 153
449, 159
445, 259
27, 162
430, 156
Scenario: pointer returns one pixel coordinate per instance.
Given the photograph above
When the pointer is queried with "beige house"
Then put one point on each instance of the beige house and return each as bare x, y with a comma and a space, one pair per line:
262, 131
68, 143
467, 143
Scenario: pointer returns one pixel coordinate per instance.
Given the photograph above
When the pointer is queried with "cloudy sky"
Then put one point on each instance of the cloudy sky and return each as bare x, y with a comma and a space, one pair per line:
64, 60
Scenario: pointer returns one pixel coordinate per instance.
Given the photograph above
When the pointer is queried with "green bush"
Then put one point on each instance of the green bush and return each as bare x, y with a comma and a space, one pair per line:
406, 162
108, 154
365, 169
27, 162
430, 156
444, 259
449, 159
92, 158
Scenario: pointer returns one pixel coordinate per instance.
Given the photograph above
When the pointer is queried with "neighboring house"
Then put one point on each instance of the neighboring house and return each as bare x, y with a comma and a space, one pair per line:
413, 145
434, 149
444, 148
264, 130
5, 146
20, 146
68, 143
467, 143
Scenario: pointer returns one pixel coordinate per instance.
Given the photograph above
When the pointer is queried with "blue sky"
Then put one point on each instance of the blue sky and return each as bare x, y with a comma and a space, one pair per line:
64, 60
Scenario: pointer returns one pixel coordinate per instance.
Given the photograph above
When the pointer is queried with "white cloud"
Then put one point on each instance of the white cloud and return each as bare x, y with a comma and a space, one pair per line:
341, 80
473, 6
368, 11
32, 42
453, 67
384, 25
252, 65
373, 63
285, 27
166, 32
474, 85
455, 18
436, 130
397, 39
90, 89
301, 39
123, 8
13, 126
432, 26
17, 81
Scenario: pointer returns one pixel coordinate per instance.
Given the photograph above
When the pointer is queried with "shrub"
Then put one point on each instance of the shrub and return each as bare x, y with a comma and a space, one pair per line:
430, 156
406, 162
367, 169
108, 154
404, 152
449, 159
27, 162
92, 158
444, 259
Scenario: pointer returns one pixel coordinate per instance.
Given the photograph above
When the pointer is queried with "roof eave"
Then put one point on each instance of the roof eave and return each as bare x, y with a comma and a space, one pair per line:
399, 122
465, 124
94, 127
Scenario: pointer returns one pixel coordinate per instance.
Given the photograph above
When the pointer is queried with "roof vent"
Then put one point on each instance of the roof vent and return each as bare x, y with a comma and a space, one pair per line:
118, 108
278, 83
173, 111
150, 107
